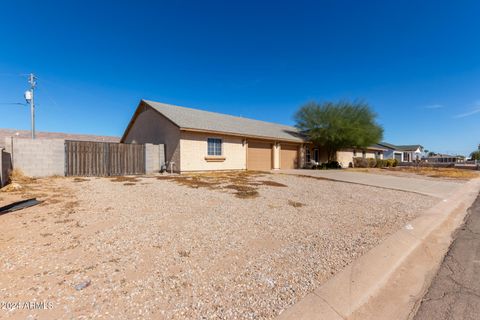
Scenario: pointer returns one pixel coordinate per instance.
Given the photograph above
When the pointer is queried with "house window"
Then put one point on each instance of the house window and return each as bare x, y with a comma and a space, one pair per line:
214, 146
308, 157
364, 154
354, 153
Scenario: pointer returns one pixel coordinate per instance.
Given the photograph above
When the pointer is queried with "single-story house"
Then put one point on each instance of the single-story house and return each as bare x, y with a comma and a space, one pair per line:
444, 158
344, 156
403, 153
197, 140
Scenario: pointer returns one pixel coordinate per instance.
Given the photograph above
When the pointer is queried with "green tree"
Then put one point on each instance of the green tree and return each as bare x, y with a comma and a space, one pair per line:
475, 155
338, 125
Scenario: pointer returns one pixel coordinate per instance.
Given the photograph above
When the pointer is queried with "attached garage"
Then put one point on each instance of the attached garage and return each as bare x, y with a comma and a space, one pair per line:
259, 156
288, 156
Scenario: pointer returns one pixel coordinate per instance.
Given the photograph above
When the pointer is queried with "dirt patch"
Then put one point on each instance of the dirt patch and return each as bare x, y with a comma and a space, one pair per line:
245, 183
295, 204
79, 179
243, 191
129, 184
196, 182
124, 179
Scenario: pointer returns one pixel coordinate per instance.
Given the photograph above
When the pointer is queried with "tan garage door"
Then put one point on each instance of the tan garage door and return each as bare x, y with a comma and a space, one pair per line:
288, 156
259, 156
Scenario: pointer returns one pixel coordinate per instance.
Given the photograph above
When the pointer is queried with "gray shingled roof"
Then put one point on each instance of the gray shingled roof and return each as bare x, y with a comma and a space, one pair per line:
187, 118
412, 147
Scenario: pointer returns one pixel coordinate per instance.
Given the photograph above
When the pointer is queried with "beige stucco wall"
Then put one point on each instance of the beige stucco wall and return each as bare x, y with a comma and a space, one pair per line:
344, 157
193, 150
152, 127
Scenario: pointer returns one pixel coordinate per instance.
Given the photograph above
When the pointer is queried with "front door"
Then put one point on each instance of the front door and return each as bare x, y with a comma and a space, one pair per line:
316, 155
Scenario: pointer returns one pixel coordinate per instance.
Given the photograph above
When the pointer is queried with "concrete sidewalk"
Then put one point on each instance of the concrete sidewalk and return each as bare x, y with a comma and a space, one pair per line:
437, 188
455, 290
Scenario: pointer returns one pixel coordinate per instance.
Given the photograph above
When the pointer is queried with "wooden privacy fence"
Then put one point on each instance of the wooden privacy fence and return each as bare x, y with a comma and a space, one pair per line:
85, 158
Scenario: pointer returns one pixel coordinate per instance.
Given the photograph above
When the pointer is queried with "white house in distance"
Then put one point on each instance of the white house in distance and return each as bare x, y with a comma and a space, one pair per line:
403, 153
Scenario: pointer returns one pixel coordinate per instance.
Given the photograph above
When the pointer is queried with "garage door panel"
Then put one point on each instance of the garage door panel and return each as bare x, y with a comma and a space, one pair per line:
259, 156
288, 157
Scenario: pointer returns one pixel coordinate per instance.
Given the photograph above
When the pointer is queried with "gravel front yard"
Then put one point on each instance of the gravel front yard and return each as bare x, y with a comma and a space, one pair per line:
242, 246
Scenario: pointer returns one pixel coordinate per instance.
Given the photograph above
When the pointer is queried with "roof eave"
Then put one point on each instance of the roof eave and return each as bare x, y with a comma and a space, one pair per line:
243, 135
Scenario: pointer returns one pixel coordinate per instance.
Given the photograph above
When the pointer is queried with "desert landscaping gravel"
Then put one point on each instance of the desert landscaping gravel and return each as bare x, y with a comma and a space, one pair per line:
222, 247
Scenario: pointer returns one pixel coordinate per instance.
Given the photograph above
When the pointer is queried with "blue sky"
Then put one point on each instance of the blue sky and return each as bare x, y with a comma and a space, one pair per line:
416, 62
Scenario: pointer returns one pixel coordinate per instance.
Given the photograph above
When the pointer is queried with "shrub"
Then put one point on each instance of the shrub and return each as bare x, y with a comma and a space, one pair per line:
333, 165
391, 163
359, 162
381, 163
322, 166
372, 162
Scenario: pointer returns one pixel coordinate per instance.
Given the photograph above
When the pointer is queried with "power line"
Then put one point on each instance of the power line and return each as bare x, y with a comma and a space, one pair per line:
17, 103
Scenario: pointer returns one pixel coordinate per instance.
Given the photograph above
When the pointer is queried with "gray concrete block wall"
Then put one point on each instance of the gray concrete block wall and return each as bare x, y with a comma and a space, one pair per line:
37, 158
154, 157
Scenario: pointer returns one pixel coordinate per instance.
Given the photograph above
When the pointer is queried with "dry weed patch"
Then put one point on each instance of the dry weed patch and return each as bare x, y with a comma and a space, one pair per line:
244, 183
17, 176
452, 173
124, 179
243, 191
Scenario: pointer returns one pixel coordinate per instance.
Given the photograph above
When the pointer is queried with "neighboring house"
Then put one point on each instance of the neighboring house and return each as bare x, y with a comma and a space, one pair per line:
444, 158
403, 153
197, 140
344, 156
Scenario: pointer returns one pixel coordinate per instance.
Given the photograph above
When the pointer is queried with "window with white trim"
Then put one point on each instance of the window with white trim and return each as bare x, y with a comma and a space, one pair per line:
214, 147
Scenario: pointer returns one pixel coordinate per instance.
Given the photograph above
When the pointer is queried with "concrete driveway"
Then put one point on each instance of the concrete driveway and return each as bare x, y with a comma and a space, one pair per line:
436, 188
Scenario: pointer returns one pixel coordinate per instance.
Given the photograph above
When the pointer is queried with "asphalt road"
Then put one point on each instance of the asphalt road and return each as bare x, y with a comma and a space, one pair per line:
455, 290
